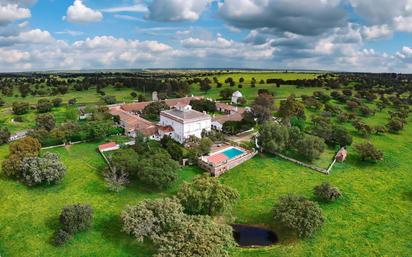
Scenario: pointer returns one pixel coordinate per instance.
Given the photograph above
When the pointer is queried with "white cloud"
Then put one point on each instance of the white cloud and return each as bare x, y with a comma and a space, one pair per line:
12, 12
131, 8
72, 33
376, 31
403, 24
80, 13
176, 10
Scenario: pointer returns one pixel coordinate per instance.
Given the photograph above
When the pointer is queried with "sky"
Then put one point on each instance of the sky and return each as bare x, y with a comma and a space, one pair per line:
340, 35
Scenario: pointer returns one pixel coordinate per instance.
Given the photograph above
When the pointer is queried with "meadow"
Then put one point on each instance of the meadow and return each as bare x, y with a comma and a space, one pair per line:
373, 218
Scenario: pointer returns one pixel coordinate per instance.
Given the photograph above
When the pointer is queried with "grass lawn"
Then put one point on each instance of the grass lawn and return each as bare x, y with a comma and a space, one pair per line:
250, 93
374, 218
30, 216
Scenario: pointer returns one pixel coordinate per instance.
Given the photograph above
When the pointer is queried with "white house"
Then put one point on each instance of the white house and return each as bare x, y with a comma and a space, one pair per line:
235, 97
185, 122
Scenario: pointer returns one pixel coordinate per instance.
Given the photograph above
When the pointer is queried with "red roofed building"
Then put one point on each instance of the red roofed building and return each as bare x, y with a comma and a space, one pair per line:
111, 146
341, 155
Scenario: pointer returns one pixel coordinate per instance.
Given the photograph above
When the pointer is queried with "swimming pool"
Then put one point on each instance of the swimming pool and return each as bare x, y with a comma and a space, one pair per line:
232, 152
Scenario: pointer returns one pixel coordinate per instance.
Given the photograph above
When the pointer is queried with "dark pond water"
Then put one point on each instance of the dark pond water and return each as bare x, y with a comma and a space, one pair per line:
250, 236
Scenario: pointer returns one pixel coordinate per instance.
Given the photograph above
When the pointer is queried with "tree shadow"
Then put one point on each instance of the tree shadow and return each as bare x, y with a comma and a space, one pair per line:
407, 196
111, 230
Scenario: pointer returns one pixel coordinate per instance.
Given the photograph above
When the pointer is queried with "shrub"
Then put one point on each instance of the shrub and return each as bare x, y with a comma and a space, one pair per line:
76, 218
4, 135
45, 121
44, 105
395, 125
327, 192
61, 237
298, 214
20, 108
57, 102
368, 152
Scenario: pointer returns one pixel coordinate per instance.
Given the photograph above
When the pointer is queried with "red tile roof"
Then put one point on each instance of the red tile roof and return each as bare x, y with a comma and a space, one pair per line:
107, 146
217, 158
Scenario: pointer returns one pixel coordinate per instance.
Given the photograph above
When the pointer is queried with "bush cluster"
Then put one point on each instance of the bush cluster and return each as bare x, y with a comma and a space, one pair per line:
73, 219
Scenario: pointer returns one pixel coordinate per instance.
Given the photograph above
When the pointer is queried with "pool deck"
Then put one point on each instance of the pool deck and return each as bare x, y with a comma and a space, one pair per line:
218, 163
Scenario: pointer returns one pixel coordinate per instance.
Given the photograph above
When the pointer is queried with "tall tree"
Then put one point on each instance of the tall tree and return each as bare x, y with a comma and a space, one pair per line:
207, 196
263, 107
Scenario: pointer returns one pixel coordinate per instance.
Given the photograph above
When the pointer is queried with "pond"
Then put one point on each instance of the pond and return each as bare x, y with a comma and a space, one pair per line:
252, 236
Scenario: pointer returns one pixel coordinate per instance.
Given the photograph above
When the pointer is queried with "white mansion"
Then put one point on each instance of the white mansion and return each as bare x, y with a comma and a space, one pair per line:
185, 122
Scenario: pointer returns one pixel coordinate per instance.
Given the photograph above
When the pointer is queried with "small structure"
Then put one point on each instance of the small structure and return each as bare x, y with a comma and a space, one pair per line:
84, 113
111, 146
235, 97
341, 155
18, 135
155, 96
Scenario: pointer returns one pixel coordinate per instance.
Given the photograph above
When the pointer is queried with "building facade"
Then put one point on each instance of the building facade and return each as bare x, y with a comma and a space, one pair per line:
185, 122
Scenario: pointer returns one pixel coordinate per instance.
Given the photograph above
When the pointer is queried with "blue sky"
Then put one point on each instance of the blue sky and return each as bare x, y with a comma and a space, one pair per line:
347, 35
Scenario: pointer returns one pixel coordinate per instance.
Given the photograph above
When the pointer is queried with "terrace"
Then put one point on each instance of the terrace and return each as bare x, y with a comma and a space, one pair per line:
223, 158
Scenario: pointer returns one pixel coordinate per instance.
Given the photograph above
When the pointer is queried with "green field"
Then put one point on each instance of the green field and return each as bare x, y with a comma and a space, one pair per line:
373, 218
250, 93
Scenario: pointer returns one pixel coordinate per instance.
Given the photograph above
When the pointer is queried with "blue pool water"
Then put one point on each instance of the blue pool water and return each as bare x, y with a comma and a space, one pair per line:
232, 153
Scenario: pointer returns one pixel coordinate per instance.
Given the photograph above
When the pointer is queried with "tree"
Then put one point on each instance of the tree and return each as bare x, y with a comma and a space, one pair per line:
158, 170
311, 147
71, 113
45, 121
207, 196
326, 192
116, 179
291, 107
27, 146
20, 108
152, 111
4, 135
273, 137
340, 136
203, 105
368, 152
226, 93
263, 107
366, 111
61, 237
44, 105
133, 94
298, 214
109, 99
76, 218
295, 136
46, 170
197, 236
125, 160
151, 218
57, 102
395, 125
205, 86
